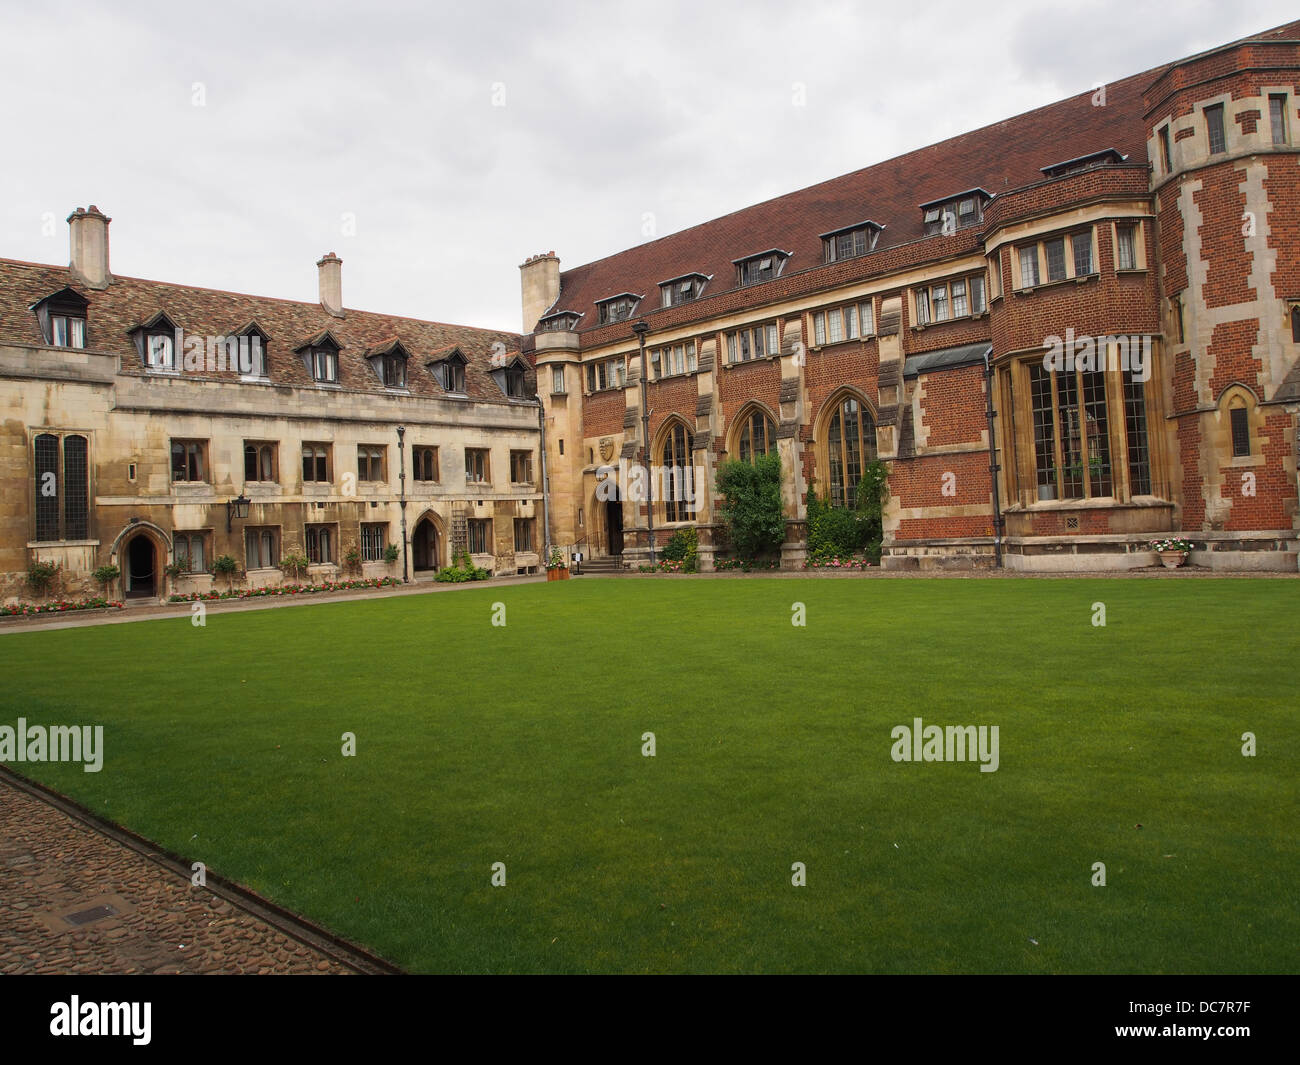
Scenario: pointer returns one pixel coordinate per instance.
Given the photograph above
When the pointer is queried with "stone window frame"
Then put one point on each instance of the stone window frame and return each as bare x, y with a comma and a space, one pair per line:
868, 451
1025, 466
744, 423
64, 521
472, 455
425, 459
268, 450
366, 463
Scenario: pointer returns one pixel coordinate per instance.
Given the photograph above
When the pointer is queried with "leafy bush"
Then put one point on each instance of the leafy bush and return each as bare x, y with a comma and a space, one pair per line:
461, 571
294, 564
40, 574
106, 575
837, 532
226, 564
391, 553
752, 504
682, 546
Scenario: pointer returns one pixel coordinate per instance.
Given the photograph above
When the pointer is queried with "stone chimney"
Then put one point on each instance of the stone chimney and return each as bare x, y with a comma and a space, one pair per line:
88, 233
331, 283
539, 279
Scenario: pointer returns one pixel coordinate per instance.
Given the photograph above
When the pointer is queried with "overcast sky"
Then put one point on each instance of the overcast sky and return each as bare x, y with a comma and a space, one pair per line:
434, 146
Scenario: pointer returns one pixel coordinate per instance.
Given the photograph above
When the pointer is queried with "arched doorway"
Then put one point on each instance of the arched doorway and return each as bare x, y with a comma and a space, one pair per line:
141, 570
424, 545
614, 525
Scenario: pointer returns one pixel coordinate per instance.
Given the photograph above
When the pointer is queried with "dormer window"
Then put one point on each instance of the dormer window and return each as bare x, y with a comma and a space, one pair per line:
1106, 157
450, 373
684, 289
62, 318
954, 212
756, 269
388, 360
321, 357
559, 322
515, 382
155, 340
617, 308
850, 242
252, 351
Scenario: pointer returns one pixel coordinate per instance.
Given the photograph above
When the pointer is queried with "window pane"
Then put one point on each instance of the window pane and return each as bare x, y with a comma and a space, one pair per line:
1214, 128
1135, 424
1081, 245
47, 487
939, 302
76, 511
1040, 392
1055, 250
977, 301
1094, 410
959, 308
835, 327
1277, 118
819, 328
59, 330
835, 455
867, 315
1029, 266
1127, 260
1240, 431
1071, 429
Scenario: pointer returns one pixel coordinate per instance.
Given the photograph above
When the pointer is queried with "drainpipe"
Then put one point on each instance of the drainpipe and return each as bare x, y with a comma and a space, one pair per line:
990, 414
641, 328
401, 466
546, 485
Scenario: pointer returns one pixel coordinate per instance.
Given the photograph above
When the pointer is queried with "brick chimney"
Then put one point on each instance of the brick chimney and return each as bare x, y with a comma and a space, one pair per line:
539, 278
330, 268
88, 234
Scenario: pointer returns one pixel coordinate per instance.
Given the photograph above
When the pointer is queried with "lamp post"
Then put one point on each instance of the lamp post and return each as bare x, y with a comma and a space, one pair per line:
401, 478
235, 508
640, 328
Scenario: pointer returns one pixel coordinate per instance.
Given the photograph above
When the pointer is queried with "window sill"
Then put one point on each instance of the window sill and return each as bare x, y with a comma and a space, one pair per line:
331, 386
38, 544
1130, 271
750, 362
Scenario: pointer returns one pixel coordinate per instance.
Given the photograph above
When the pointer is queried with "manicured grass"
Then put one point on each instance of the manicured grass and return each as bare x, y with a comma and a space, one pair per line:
522, 744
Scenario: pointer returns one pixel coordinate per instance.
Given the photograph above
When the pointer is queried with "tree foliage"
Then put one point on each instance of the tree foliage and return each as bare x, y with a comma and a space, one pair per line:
752, 504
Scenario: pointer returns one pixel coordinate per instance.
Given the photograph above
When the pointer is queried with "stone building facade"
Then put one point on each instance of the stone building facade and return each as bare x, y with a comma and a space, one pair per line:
1066, 334
150, 425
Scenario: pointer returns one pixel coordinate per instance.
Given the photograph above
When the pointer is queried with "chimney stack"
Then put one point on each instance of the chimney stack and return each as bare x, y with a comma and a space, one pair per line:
88, 234
331, 283
539, 278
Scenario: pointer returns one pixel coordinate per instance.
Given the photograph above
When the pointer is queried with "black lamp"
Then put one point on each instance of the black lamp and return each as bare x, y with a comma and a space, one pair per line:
236, 508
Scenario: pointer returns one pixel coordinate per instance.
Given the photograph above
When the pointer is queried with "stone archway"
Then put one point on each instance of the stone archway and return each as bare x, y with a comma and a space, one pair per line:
141, 568
426, 544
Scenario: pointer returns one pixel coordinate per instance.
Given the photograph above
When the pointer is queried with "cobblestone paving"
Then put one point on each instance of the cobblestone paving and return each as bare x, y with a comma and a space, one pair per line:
52, 863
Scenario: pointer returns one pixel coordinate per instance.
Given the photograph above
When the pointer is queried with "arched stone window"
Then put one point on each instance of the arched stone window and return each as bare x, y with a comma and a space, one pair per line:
850, 444
677, 473
756, 435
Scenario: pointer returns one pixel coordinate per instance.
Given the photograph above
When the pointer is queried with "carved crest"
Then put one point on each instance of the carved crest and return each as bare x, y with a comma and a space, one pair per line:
607, 448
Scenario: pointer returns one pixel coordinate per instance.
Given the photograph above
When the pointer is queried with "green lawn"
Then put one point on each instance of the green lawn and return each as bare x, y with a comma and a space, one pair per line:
479, 744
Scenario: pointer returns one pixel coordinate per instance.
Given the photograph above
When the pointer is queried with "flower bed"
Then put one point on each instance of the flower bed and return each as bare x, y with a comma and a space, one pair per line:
672, 566
745, 565
61, 607
288, 589
838, 563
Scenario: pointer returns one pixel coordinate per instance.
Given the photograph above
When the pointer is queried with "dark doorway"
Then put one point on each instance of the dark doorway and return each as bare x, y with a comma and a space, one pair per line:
424, 546
140, 568
614, 523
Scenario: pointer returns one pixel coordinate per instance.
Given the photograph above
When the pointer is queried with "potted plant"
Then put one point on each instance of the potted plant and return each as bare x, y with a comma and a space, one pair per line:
556, 568
1172, 551
106, 575
294, 565
40, 575
227, 565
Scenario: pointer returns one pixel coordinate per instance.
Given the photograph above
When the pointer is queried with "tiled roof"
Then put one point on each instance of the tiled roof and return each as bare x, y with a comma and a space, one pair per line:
998, 158
289, 325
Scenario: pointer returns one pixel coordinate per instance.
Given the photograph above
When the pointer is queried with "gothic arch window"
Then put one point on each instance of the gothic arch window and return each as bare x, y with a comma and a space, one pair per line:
756, 434
1239, 405
677, 473
1295, 324
850, 445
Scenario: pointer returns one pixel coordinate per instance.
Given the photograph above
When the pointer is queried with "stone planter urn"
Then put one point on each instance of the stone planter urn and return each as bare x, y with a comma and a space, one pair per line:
1172, 559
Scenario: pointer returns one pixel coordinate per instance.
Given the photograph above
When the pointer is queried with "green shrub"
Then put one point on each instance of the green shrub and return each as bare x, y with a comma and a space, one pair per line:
227, 565
752, 504
391, 553
106, 575
461, 571
294, 565
683, 547
40, 574
837, 532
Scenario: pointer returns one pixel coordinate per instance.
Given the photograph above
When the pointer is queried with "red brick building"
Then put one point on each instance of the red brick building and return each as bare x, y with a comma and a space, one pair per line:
1066, 334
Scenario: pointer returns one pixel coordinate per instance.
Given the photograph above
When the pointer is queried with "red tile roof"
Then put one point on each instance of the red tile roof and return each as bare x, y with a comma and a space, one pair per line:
288, 324
998, 158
